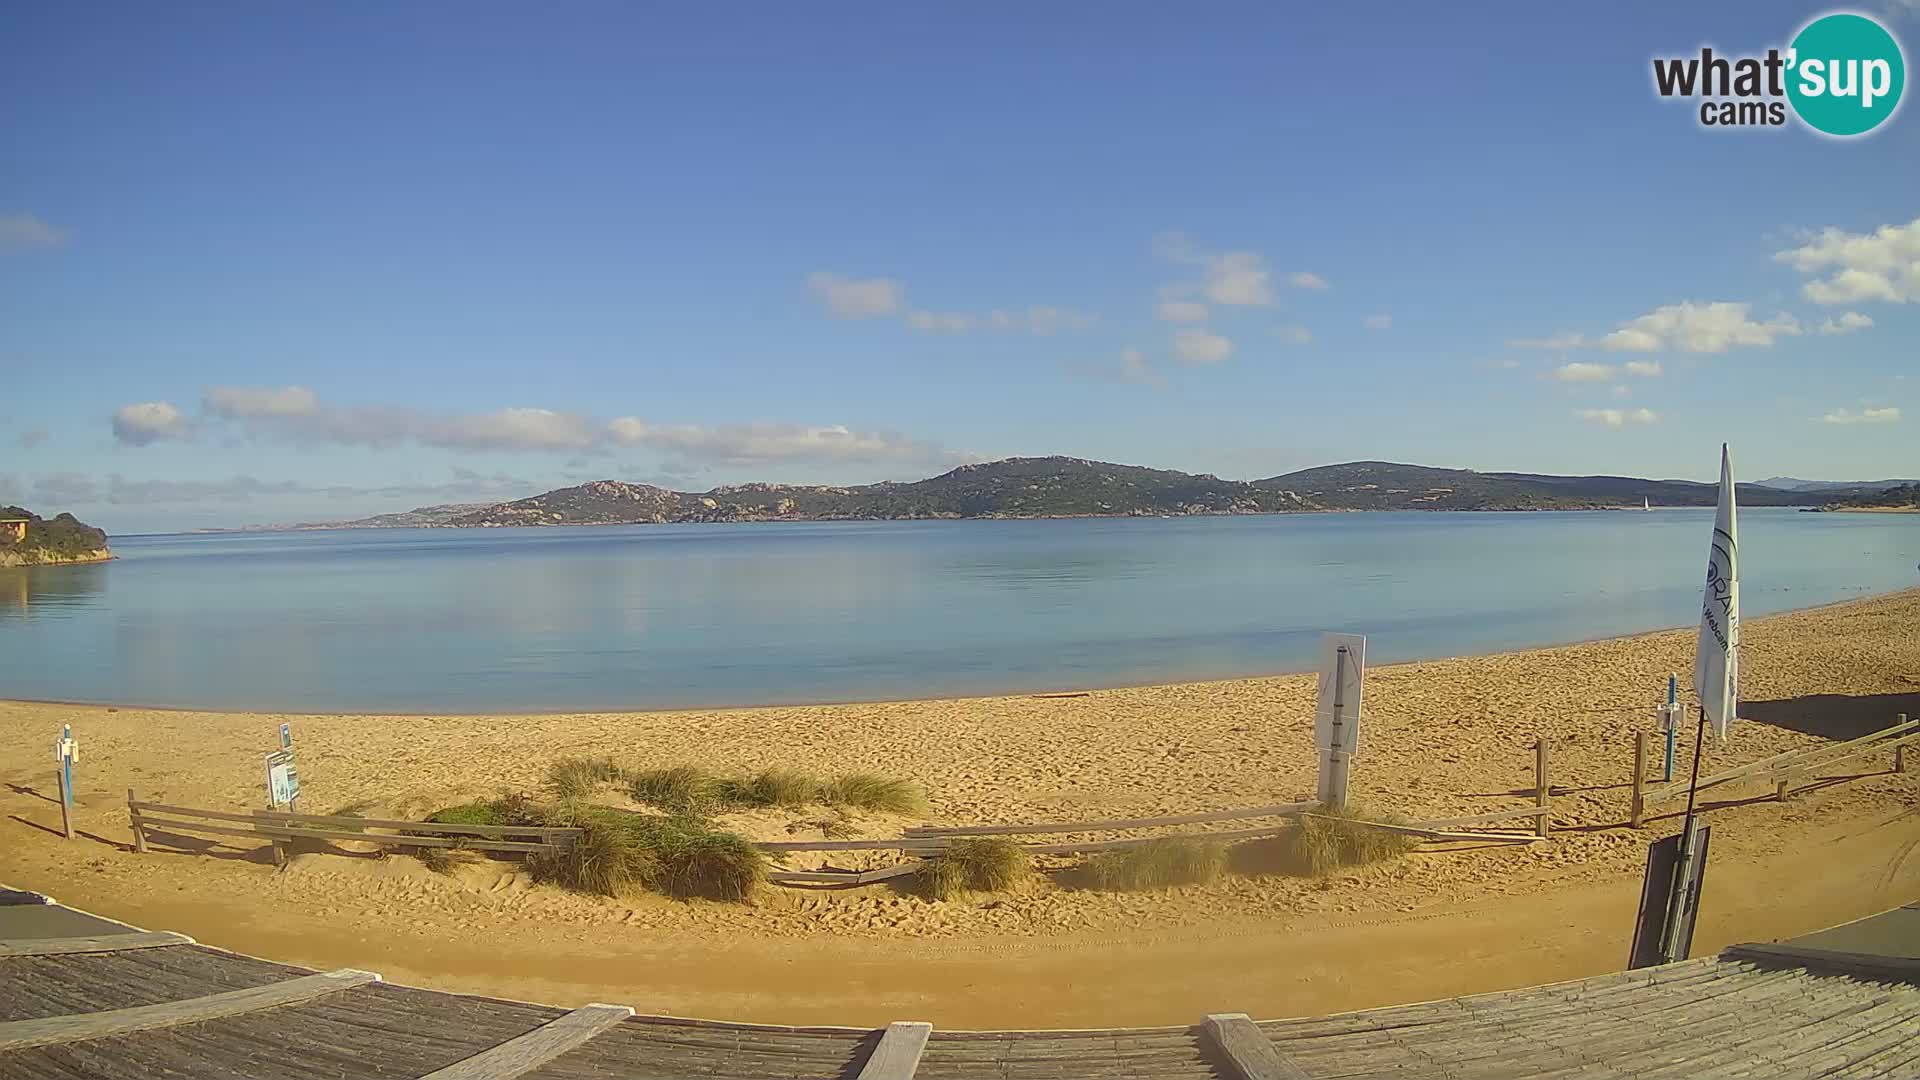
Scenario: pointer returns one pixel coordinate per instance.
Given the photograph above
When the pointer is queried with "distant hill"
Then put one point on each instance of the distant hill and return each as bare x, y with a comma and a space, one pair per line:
1075, 487
1015, 487
1788, 483
1902, 497
420, 517
60, 539
1386, 485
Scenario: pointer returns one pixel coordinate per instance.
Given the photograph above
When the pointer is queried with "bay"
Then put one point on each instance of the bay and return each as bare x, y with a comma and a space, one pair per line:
641, 617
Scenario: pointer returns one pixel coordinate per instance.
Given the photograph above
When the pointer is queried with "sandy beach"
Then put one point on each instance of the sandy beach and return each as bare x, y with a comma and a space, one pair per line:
1442, 738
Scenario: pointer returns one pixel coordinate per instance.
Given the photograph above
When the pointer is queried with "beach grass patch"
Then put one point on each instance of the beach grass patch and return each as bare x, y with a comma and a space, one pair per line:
619, 853
1158, 864
1329, 839
975, 864
870, 791
683, 789
783, 788
571, 778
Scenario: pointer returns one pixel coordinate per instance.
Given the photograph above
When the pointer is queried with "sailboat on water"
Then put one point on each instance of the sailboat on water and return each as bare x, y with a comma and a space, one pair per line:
1648, 504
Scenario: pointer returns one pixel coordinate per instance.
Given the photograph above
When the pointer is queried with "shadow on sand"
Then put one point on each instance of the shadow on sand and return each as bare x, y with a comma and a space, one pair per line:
1833, 716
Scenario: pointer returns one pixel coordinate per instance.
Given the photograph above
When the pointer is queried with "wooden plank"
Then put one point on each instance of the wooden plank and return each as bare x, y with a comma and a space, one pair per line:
1637, 812
897, 1055
63, 946
47, 1031
1434, 834
844, 877
1542, 787
522, 1055
278, 834
909, 843
1274, 810
371, 823
1791, 757
1247, 1048
139, 833
1484, 819
1140, 841
1897, 968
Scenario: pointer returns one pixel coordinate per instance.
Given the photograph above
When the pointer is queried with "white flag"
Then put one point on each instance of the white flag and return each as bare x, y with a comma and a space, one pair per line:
1716, 657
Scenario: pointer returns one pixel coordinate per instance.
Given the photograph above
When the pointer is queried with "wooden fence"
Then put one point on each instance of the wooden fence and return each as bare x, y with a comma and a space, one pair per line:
1786, 771
279, 828
919, 843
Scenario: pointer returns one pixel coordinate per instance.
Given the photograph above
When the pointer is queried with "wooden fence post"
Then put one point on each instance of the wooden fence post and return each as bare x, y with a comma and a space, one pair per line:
1542, 791
1900, 752
1783, 784
1637, 817
139, 830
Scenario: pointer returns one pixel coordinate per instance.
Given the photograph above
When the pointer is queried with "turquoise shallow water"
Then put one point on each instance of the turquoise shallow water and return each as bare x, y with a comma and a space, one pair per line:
631, 617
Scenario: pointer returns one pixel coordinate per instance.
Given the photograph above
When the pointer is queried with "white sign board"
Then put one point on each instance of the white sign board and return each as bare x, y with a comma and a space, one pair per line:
1343, 670
283, 782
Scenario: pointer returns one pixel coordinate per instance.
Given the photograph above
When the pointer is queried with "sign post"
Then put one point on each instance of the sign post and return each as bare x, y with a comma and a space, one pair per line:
66, 750
283, 781
1336, 723
1670, 722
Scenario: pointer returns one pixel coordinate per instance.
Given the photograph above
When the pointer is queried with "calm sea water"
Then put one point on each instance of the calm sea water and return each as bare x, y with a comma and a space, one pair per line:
628, 617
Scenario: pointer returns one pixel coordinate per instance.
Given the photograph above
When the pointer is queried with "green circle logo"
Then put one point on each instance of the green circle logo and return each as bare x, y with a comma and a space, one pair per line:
1845, 74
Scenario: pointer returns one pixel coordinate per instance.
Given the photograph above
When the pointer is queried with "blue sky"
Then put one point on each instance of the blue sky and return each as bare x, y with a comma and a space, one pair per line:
266, 263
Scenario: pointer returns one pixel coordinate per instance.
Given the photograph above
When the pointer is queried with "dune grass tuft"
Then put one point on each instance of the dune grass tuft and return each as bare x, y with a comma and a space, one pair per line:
975, 864
619, 853
782, 787
691, 789
1330, 839
571, 778
683, 789
869, 791
1173, 860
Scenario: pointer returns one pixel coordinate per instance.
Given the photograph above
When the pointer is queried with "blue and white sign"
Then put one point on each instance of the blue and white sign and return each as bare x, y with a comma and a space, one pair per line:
283, 780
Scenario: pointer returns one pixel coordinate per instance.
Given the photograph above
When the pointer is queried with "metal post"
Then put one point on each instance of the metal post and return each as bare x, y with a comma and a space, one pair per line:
66, 803
1672, 723
1679, 900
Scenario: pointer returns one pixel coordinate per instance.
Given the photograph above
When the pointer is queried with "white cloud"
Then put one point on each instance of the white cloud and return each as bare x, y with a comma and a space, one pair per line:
1556, 343
1696, 327
1888, 415
1201, 347
1132, 367
245, 401
857, 298
150, 422
24, 232
1621, 390
1644, 368
1583, 371
1034, 320
1231, 278
1617, 418
1882, 265
1294, 334
1846, 324
295, 414
745, 444
1306, 279
1172, 310
1379, 321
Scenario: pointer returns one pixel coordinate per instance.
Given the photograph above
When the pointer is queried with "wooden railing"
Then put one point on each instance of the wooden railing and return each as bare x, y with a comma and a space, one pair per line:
279, 828
1785, 771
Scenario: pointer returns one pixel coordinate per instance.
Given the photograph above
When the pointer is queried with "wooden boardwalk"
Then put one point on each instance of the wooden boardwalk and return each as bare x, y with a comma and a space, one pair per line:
72, 1005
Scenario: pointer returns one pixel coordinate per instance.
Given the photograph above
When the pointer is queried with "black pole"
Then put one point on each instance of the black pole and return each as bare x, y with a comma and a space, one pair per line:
1693, 783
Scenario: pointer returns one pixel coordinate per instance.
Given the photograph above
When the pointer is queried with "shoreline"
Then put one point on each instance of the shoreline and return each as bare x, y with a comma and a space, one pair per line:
1054, 691
1450, 738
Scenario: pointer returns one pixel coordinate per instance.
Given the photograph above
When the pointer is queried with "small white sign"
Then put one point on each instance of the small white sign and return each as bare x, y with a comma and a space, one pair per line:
1343, 670
283, 781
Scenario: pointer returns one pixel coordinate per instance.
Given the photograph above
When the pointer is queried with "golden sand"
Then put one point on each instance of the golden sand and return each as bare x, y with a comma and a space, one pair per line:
1442, 738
